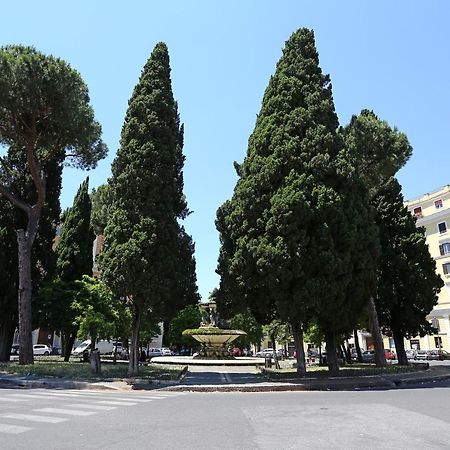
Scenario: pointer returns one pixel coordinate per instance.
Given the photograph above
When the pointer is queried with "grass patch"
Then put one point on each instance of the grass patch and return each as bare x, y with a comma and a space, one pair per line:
75, 370
354, 370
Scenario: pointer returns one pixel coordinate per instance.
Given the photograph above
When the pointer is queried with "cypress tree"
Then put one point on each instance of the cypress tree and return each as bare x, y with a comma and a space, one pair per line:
74, 249
74, 255
297, 218
140, 256
408, 284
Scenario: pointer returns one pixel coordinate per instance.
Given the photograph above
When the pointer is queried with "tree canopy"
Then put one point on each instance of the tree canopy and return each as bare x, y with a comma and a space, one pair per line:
45, 120
297, 226
140, 259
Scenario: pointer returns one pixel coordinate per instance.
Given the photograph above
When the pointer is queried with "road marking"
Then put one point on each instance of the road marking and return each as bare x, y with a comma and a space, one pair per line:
31, 418
124, 399
222, 377
106, 402
29, 396
56, 394
13, 429
85, 405
227, 377
8, 399
69, 412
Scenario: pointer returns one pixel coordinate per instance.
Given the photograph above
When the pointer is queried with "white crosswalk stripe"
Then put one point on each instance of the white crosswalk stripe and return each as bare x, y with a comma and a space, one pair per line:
33, 418
13, 429
110, 402
70, 412
89, 406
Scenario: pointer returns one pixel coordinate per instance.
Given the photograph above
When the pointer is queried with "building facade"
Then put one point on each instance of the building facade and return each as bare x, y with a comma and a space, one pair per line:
432, 212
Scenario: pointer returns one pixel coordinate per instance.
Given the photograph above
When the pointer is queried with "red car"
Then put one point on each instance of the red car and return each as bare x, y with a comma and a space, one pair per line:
389, 354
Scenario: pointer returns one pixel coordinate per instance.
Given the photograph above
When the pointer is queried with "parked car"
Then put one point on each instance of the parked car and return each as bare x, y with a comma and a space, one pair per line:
166, 351
368, 356
438, 355
15, 349
235, 351
41, 349
151, 352
268, 352
389, 354
411, 354
56, 351
422, 354
117, 346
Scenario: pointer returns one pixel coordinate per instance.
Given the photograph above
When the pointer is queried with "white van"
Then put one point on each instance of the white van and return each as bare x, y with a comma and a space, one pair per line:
104, 347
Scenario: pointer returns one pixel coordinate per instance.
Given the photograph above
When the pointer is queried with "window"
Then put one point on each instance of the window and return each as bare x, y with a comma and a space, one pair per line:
442, 227
418, 211
444, 248
446, 268
438, 204
435, 324
438, 341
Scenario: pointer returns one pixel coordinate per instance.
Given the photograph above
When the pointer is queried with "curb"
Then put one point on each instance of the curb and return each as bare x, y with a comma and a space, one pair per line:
61, 384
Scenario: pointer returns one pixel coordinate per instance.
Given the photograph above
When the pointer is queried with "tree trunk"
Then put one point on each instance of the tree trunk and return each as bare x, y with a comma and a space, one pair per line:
332, 362
133, 365
25, 241
380, 359
400, 348
275, 356
357, 346
70, 337
7, 328
297, 332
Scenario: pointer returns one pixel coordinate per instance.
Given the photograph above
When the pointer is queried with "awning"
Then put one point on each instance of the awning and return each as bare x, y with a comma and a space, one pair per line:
439, 313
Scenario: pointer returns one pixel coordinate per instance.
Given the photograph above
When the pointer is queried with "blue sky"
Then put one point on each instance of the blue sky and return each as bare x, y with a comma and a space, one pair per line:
392, 57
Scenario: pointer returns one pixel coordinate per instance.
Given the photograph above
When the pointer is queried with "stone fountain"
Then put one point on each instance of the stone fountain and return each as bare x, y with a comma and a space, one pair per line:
213, 334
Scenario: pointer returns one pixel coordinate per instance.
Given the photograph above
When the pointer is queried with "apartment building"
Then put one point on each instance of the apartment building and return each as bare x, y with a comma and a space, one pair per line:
432, 211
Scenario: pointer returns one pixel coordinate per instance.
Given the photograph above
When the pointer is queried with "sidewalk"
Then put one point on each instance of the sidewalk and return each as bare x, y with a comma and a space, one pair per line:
393, 381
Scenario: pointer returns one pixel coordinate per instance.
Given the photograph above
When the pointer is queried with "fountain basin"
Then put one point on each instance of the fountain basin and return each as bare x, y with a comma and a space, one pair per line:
214, 340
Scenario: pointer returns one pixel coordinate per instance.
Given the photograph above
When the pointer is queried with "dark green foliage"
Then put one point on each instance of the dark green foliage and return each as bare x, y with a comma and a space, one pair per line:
246, 322
377, 150
101, 201
188, 318
297, 226
408, 284
74, 249
141, 256
45, 120
43, 95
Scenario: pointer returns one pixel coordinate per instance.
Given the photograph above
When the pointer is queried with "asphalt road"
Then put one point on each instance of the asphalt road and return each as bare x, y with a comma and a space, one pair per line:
412, 418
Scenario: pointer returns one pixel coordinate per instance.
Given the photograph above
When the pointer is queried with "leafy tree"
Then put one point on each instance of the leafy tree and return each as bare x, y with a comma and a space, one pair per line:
140, 256
246, 322
98, 311
188, 318
291, 233
377, 152
84, 307
408, 284
46, 118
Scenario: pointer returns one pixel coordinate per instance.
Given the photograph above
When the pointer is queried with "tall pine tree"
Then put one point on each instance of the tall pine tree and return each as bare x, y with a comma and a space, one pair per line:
140, 256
